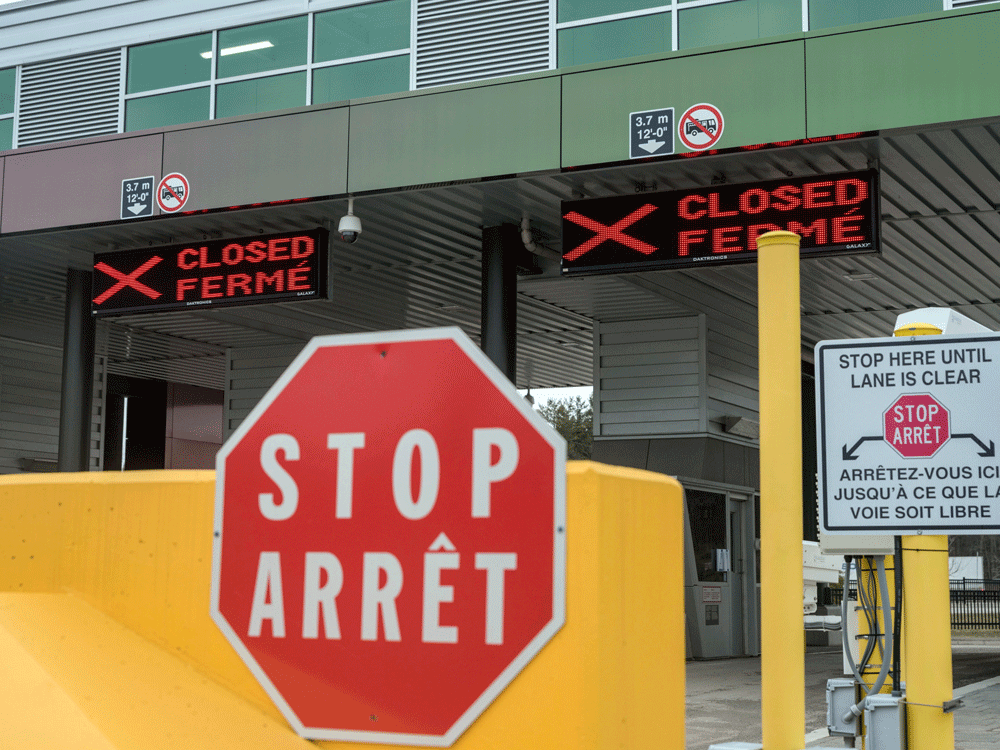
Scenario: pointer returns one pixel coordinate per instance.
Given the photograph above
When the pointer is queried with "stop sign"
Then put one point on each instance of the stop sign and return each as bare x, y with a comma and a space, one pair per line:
389, 537
916, 425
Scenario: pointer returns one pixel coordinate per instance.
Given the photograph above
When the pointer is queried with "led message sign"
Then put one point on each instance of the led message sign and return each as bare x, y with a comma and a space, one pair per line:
265, 268
834, 214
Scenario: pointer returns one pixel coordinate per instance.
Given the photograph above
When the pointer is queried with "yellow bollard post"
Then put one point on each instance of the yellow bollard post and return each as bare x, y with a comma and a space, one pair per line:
782, 634
927, 628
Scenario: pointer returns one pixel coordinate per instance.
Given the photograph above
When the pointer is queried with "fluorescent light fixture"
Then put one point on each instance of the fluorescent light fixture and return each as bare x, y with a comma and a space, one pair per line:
241, 48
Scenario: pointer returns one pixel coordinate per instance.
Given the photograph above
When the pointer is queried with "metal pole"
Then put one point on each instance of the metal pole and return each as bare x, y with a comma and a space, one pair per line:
927, 628
499, 298
77, 374
783, 713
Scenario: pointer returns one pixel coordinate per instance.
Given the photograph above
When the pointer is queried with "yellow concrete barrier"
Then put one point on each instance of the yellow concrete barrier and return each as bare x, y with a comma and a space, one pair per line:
105, 631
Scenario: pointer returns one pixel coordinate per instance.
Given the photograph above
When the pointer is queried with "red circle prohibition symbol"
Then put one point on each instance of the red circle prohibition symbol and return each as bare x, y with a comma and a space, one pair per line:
172, 192
700, 127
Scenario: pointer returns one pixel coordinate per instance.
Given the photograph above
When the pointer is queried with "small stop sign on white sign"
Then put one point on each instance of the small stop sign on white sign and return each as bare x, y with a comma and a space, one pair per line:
916, 425
390, 537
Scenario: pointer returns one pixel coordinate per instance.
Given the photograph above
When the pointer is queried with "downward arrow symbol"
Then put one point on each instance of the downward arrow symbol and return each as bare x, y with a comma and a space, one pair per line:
987, 452
137, 208
650, 146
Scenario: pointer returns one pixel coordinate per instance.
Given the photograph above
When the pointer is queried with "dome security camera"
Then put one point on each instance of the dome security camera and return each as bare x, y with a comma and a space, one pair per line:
350, 225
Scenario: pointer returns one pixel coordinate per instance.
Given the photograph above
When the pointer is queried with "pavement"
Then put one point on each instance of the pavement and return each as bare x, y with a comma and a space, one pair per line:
723, 696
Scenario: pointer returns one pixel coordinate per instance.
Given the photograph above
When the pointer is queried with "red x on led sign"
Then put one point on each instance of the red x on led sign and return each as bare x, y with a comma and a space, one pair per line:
127, 280
603, 233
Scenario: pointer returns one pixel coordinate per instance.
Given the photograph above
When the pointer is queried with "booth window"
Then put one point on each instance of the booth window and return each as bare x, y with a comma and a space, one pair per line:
613, 40
261, 95
164, 65
358, 51
362, 30
726, 23
707, 514
177, 66
594, 31
361, 51
262, 47
8, 78
577, 10
162, 110
824, 14
386, 75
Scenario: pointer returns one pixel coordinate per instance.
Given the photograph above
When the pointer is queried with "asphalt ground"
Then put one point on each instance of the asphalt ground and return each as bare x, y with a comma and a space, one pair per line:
723, 696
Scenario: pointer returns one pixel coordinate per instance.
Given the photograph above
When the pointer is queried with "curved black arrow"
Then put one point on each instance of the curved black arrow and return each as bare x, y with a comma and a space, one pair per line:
987, 452
848, 455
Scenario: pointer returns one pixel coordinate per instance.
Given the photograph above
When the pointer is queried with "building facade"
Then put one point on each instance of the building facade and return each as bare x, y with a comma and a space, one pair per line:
457, 130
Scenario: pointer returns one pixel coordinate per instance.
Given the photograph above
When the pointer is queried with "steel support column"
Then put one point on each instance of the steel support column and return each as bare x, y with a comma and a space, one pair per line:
77, 374
499, 297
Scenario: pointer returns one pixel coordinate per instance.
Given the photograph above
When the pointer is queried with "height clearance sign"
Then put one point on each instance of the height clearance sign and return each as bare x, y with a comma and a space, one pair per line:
390, 537
907, 432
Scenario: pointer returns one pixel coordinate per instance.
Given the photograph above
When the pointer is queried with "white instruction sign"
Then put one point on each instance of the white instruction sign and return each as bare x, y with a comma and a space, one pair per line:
907, 432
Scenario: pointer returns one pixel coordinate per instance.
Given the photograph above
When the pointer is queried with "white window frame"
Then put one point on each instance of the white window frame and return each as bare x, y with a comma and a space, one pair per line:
673, 6
213, 82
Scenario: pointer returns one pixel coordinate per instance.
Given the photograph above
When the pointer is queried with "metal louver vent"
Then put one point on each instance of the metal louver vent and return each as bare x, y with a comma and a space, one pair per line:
468, 40
76, 97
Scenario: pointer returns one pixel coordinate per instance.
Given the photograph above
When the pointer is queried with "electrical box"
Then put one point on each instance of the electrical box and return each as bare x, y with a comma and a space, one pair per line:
855, 544
885, 723
852, 544
841, 694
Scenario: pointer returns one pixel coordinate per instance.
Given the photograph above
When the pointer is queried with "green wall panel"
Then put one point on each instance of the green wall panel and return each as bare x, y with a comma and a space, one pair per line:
260, 159
453, 135
912, 74
759, 89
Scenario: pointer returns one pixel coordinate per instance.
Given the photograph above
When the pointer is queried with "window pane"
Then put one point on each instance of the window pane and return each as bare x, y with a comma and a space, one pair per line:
263, 46
574, 10
171, 63
707, 514
357, 80
167, 109
261, 95
826, 13
362, 30
737, 22
6, 91
6, 134
614, 40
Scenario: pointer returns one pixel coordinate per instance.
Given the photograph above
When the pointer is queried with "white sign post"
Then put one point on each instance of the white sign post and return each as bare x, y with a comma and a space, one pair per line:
906, 434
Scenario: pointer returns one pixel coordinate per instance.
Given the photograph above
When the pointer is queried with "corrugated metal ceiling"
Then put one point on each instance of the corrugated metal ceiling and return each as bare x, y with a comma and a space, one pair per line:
417, 262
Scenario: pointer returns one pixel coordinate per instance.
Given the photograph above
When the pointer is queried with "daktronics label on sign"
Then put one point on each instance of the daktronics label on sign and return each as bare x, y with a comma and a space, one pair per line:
251, 270
720, 224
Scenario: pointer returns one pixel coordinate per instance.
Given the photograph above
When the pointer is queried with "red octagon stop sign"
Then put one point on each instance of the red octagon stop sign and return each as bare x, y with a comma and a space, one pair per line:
916, 425
389, 537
